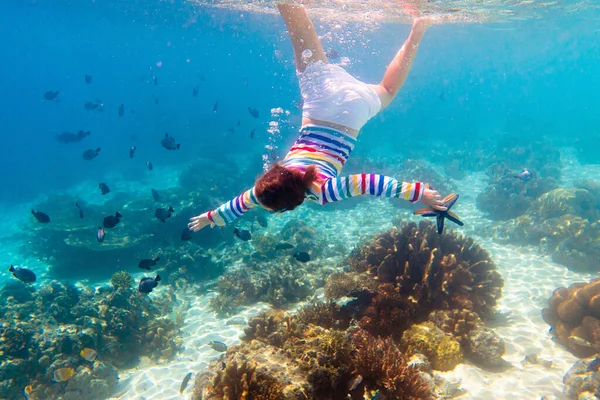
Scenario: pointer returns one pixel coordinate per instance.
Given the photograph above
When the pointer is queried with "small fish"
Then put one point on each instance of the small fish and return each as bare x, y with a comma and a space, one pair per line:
252, 132
88, 79
168, 143
88, 354
41, 217
155, 195
80, 210
28, 389
579, 341
355, 382
51, 95
90, 105
156, 101
332, 54
121, 110
284, 246
132, 151
22, 274
185, 383
217, 345
230, 130
104, 189
239, 122
100, 234
253, 111
186, 235
594, 364
90, 154
302, 256
262, 221
154, 79
147, 284
163, 213
195, 92
147, 263
216, 107
149, 165
68, 137
524, 176
112, 220
242, 234
63, 374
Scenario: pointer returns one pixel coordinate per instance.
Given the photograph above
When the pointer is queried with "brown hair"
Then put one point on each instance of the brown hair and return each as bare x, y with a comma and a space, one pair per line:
282, 188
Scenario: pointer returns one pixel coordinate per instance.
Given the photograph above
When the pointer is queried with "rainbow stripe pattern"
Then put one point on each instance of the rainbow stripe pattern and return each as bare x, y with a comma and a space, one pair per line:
327, 149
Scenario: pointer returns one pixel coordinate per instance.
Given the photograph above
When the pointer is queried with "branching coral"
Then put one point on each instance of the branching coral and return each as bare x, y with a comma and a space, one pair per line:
458, 323
322, 314
382, 366
121, 279
574, 314
414, 271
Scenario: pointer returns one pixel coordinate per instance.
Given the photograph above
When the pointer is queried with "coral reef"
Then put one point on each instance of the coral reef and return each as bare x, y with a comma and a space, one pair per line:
582, 380
413, 271
47, 330
485, 348
574, 315
122, 280
442, 351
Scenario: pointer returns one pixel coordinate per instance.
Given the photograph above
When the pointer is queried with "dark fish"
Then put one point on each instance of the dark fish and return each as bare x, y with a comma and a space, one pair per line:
252, 132
154, 79
163, 213
202, 78
185, 383
22, 274
41, 217
155, 99
51, 95
104, 189
100, 234
90, 105
230, 130
195, 92
148, 263
262, 220
217, 345
90, 154
302, 256
284, 246
239, 122
149, 165
253, 111
216, 107
524, 176
112, 220
156, 195
132, 151
121, 110
332, 54
80, 210
186, 235
68, 137
168, 143
88, 79
242, 234
147, 284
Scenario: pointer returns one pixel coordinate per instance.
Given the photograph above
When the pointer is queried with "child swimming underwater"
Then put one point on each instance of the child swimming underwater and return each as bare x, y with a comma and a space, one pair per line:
336, 106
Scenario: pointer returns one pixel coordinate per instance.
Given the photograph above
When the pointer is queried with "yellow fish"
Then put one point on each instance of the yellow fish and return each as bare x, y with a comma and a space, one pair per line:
28, 390
88, 354
63, 374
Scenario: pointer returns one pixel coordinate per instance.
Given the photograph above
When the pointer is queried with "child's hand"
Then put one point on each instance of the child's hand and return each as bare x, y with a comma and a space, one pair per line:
433, 199
199, 222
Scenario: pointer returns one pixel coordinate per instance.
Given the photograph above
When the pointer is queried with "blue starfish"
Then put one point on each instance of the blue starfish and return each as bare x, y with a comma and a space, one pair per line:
441, 215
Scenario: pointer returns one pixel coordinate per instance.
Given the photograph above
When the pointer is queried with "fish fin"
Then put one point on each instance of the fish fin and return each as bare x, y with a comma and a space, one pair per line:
118, 215
171, 209
454, 218
157, 258
157, 279
11, 268
33, 212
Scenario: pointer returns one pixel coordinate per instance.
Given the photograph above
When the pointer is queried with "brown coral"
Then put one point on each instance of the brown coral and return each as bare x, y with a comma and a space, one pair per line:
574, 315
458, 323
382, 366
321, 314
241, 379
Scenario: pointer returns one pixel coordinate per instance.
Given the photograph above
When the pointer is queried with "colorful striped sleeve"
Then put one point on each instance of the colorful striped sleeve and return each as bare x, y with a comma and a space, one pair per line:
336, 189
234, 209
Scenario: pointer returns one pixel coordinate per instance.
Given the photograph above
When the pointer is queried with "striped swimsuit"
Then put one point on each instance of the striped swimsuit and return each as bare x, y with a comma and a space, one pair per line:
328, 150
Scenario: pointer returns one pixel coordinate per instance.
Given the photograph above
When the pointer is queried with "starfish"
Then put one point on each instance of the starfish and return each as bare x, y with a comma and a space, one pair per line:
441, 215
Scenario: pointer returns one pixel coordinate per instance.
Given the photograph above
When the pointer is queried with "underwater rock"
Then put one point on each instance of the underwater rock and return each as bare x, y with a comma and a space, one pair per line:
485, 348
582, 380
413, 271
444, 352
574, 315
580, 251
563, 201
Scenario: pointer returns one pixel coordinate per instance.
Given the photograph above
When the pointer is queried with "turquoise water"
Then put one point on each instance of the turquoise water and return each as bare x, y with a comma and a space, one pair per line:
494, 89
